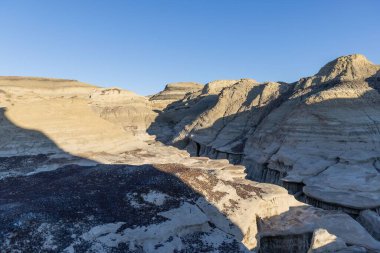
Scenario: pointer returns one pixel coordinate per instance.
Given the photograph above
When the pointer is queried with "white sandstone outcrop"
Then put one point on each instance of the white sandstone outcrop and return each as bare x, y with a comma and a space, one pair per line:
174, 92
320, 134
324, 242
133, 112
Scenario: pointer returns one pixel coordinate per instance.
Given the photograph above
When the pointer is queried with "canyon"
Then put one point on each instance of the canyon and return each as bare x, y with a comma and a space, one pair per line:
229, 166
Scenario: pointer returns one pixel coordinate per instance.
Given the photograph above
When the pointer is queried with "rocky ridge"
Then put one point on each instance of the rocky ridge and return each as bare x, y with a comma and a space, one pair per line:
307, 136
174, 92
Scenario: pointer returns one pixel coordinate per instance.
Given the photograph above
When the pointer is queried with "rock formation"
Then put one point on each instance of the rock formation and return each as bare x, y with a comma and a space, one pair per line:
133, 112
90, 169
174, 92
323, 241
215, 87
319, 136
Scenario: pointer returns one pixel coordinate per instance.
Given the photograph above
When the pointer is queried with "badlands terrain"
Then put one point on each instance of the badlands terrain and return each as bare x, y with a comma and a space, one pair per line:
229, 166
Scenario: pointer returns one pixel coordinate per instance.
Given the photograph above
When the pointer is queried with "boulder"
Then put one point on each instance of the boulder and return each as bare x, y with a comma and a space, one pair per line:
324, 242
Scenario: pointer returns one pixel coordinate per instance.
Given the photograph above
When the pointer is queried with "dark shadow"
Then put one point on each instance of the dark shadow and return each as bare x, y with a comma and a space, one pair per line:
75, 207
374, 81
178, 114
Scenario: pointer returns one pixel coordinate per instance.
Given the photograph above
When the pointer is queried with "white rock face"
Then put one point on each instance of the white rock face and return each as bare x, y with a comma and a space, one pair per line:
319, 136
127, 109
221, 126
348, 68
277, 231
323, 242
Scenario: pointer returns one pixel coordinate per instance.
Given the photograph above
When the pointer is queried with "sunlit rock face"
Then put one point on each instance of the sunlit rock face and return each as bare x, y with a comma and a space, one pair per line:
215, 87
59, 110
89, 169
174, 92
326, 136
319, 135
127, 109
323, 241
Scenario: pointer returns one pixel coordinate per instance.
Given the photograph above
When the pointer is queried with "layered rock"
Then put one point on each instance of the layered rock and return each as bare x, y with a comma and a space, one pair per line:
346, 68
292, 231
75, 179
133, 112
319, 135
326, 137
224, 126
174, 92
371, 221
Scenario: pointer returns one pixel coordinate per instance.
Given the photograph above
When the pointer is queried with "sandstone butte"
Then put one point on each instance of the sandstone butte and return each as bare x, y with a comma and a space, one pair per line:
230, 166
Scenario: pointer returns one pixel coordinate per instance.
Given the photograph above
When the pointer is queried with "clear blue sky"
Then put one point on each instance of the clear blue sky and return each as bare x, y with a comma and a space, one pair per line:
142, 45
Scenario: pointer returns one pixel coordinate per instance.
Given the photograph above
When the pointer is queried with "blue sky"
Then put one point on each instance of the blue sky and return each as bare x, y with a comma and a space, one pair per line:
142, 45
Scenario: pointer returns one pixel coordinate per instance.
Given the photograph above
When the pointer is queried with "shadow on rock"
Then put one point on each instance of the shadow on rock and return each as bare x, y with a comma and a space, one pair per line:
52, 201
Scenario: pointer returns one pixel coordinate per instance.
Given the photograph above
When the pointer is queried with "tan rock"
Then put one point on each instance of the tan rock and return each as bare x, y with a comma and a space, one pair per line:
133, 112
